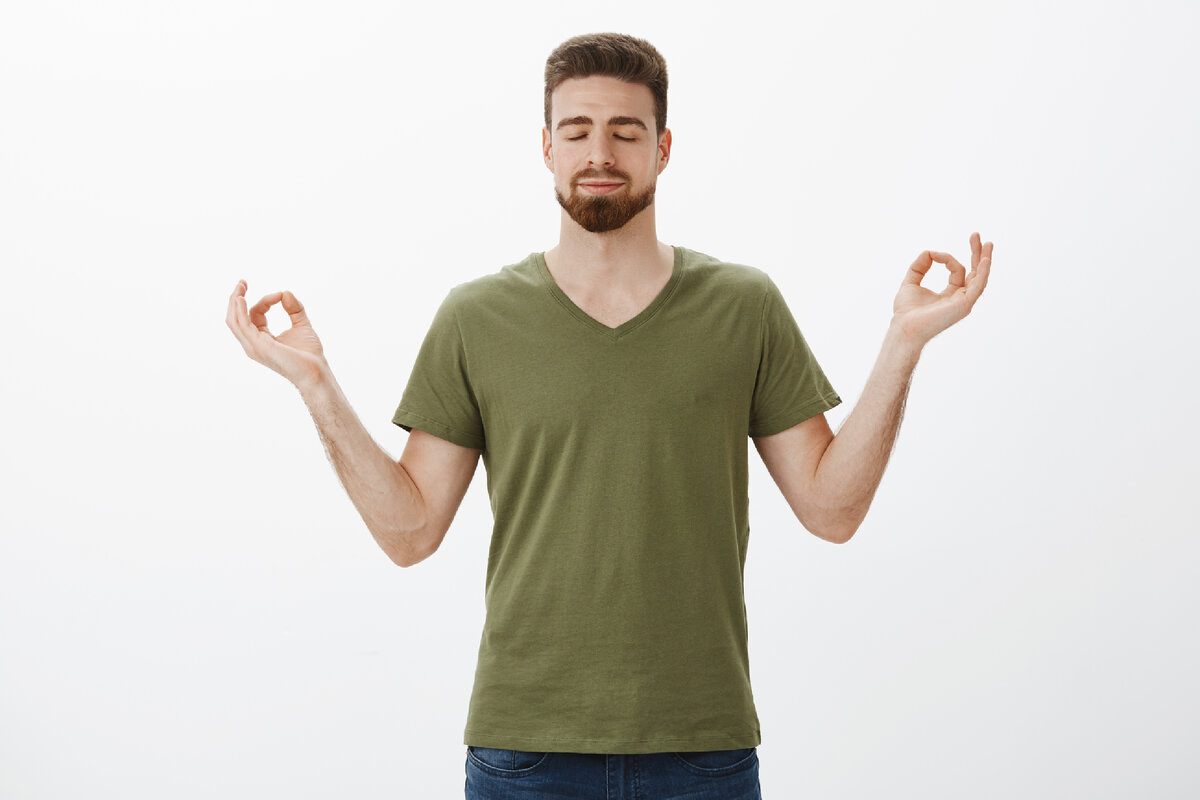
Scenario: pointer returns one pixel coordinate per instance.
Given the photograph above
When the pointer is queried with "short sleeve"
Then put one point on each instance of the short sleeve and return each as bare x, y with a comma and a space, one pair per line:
438, 398
790, 386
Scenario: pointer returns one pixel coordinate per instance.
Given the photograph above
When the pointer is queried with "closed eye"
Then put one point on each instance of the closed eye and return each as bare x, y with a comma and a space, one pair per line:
584, 136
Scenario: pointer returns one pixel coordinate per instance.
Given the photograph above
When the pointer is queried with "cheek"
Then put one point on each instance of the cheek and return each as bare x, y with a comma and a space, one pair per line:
562, 177
565, 165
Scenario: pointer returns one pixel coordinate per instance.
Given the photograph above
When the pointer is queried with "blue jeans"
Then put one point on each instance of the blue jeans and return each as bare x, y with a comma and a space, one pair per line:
494, 774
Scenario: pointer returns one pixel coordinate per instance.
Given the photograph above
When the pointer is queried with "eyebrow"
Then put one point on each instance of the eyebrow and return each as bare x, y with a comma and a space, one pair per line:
614, 121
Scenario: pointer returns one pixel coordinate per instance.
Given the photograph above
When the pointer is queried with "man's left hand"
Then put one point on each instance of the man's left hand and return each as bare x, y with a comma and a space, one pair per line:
921, 314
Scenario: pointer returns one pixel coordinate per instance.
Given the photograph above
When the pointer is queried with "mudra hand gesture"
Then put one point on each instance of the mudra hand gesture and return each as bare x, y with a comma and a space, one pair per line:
295, 354
921, 314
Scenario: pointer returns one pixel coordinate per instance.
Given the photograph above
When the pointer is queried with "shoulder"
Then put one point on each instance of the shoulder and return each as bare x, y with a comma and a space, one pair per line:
508, 283
727, 278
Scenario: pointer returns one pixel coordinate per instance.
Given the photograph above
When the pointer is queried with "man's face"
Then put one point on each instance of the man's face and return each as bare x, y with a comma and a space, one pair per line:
603, 150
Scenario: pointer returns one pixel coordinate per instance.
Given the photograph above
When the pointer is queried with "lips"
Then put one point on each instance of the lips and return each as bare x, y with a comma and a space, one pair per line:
600, 187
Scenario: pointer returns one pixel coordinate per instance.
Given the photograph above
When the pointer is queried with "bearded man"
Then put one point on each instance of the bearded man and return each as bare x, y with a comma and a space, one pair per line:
609, 385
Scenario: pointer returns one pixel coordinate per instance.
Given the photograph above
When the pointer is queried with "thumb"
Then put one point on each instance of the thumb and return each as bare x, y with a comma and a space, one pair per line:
295, 309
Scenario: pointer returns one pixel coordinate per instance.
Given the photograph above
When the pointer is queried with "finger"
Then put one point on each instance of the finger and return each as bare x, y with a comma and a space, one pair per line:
258, 313
984, 251
238, 291
916, 271
975, 250
236, 303
295, 309
979, 277
237, 322
958, 273
232, 303
243, 319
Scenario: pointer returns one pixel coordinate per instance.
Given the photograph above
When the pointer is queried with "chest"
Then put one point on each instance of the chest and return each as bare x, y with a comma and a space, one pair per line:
612, 312
576, 383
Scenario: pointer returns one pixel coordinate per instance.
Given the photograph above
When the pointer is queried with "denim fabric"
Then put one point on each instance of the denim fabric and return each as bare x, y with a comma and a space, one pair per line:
494, 774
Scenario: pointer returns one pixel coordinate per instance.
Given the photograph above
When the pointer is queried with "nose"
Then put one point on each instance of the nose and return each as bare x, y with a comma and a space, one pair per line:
601, 152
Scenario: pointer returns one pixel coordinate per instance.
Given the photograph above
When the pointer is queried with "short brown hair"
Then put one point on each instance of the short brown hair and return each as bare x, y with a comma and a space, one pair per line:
616, 55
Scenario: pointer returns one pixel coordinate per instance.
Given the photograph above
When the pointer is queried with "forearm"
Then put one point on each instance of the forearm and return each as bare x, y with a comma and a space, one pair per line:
852, 466
383, 492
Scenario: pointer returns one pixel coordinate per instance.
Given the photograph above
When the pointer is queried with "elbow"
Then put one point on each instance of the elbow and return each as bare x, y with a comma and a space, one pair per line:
406, 548
839, 535
839, 529
404, 559
411, 556
399, 557
407, 558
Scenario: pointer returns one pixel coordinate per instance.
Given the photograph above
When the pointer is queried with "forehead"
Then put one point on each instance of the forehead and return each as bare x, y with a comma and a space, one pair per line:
601, 97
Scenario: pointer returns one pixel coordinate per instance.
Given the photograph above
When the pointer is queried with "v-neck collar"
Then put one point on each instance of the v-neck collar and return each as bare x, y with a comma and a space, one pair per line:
627, 326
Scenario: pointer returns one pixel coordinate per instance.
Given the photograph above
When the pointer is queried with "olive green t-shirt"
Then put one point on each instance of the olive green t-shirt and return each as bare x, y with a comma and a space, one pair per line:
616, 464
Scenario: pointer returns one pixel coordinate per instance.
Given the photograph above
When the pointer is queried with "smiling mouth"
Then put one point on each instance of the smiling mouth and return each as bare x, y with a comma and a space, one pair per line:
600, 187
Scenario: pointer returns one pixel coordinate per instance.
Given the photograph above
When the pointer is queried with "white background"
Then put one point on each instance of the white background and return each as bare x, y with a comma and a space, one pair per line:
190, 607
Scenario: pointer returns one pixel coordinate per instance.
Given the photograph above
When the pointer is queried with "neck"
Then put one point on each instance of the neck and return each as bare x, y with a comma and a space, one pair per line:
625, 258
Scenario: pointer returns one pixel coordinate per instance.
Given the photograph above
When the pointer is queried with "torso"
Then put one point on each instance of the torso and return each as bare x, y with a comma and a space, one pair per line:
613, 308
615, 314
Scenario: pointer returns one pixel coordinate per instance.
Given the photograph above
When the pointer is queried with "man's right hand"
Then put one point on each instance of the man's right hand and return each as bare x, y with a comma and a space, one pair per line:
295, 354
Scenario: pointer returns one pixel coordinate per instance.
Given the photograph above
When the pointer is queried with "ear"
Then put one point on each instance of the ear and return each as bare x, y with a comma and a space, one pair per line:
547, 156
664, 149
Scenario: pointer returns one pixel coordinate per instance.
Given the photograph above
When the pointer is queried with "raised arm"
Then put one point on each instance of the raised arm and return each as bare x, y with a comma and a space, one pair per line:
407, 505
829, 481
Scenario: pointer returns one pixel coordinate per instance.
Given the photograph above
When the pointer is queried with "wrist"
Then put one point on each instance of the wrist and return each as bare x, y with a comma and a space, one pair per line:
903, 344
318, 385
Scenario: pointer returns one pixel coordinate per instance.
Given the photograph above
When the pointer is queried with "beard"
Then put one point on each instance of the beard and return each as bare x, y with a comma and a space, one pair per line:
605, 212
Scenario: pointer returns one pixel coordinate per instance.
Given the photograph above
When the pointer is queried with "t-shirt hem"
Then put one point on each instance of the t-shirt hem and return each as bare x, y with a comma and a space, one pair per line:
408, 420
782, 422
550, 743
